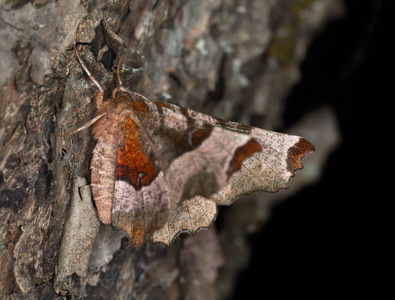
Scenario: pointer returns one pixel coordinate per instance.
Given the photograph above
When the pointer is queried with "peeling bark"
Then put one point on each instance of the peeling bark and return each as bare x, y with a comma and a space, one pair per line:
230, 59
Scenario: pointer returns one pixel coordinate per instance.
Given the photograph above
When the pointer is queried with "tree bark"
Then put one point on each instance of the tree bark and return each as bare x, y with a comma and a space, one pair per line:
235, 60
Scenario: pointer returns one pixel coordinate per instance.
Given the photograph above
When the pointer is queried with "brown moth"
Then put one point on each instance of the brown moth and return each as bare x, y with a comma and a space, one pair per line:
159, 169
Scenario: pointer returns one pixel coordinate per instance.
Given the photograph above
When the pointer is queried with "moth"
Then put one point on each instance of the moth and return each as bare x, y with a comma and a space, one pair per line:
159, 170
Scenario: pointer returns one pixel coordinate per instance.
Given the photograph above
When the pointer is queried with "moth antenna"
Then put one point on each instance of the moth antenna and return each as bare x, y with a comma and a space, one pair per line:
120, 87
86, 70
118, 67
91, 122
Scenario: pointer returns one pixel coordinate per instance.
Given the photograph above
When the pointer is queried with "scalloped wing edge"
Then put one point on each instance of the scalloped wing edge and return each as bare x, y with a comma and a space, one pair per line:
173, 228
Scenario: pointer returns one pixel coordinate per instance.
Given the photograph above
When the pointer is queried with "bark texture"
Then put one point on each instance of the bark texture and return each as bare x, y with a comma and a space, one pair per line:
231, 59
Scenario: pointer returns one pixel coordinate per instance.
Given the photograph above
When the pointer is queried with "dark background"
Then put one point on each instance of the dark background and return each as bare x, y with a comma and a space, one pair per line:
319, 243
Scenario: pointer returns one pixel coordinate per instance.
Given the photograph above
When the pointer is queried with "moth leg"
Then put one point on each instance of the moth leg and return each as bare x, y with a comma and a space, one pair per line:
100, 94
113, 40
98, 98
115, 43
91, 122
86, 70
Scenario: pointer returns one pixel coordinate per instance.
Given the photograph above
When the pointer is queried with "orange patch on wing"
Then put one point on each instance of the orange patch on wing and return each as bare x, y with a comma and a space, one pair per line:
138, 105
242, 153
296, 153
199, 136
163, 104
133, 164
